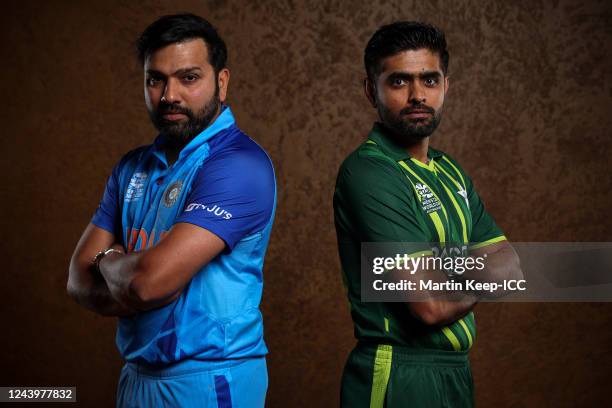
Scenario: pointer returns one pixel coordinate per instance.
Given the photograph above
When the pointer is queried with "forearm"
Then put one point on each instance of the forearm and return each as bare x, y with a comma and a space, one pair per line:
94, 295
440, 305
118, 271
499, 266
443, 312
99, 300
131, 280
156, 276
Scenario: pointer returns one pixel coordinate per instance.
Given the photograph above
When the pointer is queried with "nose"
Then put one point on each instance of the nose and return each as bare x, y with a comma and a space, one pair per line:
417, 94
170, 94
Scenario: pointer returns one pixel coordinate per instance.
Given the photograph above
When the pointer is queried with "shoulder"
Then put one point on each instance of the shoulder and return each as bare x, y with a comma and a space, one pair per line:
236, 151
368, 165
134, 156
129, 161
453, 167
237, 163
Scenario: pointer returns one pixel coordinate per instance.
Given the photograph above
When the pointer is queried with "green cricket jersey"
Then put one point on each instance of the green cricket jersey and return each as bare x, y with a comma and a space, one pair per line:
383, 195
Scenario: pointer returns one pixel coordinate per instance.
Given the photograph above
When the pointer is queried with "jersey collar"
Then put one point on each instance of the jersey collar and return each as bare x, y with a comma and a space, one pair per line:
391, 149
223, 121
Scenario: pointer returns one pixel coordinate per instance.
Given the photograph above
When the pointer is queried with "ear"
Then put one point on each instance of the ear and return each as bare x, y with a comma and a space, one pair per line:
370, 91
446, 84
223, 81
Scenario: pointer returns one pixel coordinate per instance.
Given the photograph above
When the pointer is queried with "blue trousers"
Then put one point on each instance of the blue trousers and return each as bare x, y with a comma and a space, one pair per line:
190, 383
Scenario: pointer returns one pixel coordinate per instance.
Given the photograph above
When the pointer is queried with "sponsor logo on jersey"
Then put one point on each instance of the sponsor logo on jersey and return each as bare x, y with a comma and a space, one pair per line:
429, 202
215, 209
135, 189
172, 193
139, 239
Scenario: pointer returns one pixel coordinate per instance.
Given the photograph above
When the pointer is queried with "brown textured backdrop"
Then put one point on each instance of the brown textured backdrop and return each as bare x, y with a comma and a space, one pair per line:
528, 115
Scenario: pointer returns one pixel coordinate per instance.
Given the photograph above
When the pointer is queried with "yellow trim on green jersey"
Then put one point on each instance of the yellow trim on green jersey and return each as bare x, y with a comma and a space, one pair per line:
489, 242
459, 186
439, 227
435, 217
467, 332
382, 372
452, 338
420, 253
456, 169
429, 166
404, 165
459, 212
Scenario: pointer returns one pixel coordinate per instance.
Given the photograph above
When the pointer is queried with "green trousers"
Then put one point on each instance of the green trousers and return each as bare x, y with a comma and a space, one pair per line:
384, 376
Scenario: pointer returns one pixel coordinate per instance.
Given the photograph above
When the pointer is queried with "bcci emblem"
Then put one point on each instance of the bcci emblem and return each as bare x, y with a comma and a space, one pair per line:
172, 193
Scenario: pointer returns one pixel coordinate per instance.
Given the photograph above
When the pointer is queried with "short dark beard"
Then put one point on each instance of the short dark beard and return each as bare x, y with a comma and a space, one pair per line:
181, 133
409, 131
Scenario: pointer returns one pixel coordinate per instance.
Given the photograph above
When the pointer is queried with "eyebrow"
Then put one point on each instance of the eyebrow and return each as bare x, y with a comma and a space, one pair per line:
180, 71
411, 76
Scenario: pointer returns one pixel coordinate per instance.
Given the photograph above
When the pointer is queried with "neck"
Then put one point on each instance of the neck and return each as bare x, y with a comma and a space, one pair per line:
172, 153
172, 148
416, 148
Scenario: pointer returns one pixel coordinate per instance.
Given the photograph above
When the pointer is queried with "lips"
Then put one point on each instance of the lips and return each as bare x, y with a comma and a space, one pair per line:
418, 114
174, 116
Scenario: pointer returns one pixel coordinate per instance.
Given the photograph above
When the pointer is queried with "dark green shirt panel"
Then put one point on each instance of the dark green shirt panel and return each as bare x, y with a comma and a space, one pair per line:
375, 204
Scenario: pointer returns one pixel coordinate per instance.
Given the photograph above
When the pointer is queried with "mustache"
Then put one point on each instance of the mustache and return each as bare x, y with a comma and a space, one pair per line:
165, 108
417, 108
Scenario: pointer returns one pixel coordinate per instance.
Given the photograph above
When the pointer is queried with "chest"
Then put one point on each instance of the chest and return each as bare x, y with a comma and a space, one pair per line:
441, 201
152, 196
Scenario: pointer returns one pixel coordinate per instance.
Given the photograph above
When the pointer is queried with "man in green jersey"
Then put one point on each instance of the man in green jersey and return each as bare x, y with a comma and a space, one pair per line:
396, 188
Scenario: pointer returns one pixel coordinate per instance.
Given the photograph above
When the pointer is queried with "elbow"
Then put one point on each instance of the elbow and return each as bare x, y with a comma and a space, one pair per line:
138, 294
78, 285
144, 293
428, 313
432, 319
71, 290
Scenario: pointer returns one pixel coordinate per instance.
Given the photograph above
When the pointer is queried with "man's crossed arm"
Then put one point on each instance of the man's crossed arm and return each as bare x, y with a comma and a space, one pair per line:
502, 263
128, 283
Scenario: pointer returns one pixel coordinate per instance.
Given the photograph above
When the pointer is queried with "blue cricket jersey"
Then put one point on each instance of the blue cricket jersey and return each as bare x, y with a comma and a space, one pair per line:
224, 182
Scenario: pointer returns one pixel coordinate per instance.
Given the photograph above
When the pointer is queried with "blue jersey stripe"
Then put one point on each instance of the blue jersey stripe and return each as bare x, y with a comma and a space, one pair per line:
224, 398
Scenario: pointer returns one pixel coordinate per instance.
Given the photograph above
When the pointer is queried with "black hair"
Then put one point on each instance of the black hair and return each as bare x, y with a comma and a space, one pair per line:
178, 28
400, 36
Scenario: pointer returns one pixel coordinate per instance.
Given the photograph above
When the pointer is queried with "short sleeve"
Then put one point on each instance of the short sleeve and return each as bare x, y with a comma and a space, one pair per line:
373, 203
484, 228
107, 215
232, 195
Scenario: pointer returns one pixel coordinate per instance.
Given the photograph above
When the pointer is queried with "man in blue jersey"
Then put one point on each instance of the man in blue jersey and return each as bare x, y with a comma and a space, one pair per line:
176, 246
